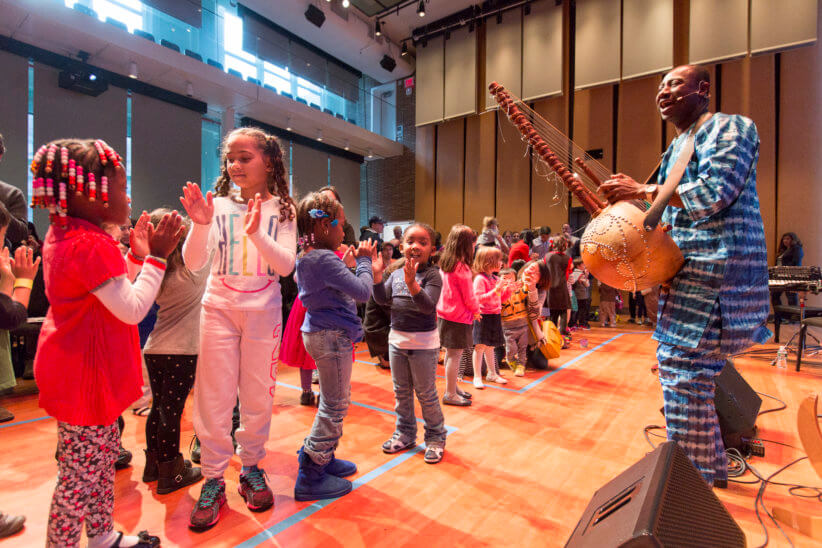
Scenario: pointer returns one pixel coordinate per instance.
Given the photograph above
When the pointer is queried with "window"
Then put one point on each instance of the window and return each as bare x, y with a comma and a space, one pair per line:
308, 91
277, 77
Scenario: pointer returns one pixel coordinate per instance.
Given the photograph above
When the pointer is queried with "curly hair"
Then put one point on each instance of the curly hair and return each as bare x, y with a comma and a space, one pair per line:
315, 200
277, 183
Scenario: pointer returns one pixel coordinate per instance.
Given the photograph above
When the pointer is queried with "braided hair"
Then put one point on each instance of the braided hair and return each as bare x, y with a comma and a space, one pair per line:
79, 165
277, 184
306, 222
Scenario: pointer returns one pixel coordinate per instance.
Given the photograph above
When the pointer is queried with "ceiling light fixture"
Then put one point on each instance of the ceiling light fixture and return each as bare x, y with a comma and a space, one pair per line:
377, 29
288, 124
345, 145
189, 89
320, 135
370, 153
132, 70
421, 9
404, 50
345, 3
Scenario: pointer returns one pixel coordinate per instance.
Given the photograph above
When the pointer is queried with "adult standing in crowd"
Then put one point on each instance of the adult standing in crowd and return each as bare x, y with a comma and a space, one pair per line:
15, 202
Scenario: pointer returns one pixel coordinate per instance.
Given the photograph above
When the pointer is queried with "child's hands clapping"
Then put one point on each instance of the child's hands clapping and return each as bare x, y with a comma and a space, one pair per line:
348, 255
367, 248
377, 266
24, 265
6, 273
200, 209
252, 216
138, 236
163, 239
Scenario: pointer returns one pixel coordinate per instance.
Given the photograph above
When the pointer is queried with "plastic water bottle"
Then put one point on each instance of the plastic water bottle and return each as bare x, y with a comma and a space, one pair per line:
782, 358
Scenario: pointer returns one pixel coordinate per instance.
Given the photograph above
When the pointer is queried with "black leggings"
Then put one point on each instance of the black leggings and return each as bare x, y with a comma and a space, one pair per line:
171, 378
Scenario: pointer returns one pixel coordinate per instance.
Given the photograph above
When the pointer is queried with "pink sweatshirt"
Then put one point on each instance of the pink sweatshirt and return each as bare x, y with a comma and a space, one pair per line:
490, 302
457, 300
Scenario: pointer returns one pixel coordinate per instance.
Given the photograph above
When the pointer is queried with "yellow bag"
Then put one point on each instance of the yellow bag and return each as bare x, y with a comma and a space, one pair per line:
553, 339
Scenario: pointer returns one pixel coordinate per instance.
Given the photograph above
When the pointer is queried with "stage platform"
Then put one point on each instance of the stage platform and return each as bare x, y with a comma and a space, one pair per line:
520, 465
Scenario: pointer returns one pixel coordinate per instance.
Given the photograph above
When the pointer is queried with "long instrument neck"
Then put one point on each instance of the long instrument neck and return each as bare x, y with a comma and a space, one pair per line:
588, 199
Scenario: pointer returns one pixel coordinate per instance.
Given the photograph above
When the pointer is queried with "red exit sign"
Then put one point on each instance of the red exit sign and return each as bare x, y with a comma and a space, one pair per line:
409, 82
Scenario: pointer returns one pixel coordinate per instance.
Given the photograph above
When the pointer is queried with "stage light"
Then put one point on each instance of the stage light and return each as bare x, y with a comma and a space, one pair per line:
92, 77
345, 3
377, 29
404, 50
132, 70
421, 9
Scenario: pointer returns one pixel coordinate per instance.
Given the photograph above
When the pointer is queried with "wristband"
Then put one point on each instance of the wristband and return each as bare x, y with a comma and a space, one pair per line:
23, 282
135, 258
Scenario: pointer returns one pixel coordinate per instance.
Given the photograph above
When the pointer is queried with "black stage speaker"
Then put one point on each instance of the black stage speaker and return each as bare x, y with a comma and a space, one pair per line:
315, 15
661, 501
737, 406
388, 63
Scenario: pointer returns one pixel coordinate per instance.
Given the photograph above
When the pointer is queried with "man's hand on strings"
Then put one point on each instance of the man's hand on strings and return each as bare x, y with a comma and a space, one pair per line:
622, 187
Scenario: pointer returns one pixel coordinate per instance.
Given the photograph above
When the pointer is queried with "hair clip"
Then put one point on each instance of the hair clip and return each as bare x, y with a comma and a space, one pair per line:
64, 162
104, 190
101, 152
92, 187
38, 158
80, 181
320, 214
50, 158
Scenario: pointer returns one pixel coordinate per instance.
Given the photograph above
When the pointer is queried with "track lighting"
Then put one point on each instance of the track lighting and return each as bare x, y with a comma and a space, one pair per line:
404, 50
421, 9
377, 29
132, 70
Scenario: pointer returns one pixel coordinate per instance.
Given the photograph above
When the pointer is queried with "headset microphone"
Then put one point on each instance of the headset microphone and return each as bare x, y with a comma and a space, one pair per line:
678, 99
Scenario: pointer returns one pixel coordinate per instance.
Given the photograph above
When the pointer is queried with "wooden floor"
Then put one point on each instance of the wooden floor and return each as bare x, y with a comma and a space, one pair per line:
520, 465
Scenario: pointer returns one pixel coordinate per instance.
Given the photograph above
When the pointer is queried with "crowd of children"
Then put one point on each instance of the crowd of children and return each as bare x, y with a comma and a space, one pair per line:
216, 278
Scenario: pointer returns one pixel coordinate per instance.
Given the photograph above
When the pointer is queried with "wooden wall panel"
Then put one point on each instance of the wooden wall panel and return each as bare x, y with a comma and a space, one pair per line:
799, 190
549, 197
450, 175
513, 178
480, 156
748, 89
594, 123
425, 174
639, 128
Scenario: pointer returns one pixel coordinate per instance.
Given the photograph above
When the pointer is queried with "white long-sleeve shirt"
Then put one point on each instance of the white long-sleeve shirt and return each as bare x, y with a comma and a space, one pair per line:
245, 269
130, 302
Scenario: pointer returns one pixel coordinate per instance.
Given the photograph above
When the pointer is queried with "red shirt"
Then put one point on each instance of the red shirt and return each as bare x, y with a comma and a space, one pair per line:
88, 362
518, 251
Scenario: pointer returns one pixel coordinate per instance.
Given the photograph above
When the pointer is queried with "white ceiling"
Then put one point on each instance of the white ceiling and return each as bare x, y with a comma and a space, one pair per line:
51, 26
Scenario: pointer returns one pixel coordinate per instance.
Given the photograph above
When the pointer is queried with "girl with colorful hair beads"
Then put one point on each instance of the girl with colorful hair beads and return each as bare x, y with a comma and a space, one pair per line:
328, 290
248, 232
88, 365
457, 308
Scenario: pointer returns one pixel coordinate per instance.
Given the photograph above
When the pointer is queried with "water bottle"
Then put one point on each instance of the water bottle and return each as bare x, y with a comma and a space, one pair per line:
782, 358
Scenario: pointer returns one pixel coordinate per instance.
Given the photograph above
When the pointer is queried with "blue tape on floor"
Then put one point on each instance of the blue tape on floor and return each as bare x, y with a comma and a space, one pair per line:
311, 509
6, 425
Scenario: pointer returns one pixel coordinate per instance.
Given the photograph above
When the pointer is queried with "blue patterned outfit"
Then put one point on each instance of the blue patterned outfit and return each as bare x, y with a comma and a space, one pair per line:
717, 304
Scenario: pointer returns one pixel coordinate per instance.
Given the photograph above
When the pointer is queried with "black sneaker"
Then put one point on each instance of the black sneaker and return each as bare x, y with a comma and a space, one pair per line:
123, 459
308, 398
206, 512
194, 449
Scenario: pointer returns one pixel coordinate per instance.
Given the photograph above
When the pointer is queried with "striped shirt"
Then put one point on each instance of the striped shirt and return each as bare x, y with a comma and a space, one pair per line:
720, 233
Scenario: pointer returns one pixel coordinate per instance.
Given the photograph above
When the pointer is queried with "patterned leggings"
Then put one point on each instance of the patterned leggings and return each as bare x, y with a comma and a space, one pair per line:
688, 383
85, 482
171, 378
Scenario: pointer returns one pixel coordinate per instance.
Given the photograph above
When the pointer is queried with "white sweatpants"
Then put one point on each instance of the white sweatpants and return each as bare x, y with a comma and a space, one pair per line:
238, 355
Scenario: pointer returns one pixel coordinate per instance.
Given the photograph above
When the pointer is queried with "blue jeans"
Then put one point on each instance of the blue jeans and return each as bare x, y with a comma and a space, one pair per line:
415, 370
333, 353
